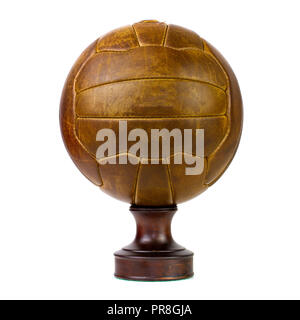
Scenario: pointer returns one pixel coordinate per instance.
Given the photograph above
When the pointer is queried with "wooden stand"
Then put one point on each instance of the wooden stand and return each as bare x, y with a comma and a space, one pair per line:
153, 255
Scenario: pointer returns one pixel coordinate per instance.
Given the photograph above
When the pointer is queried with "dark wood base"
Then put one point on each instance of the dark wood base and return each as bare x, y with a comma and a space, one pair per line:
153, 255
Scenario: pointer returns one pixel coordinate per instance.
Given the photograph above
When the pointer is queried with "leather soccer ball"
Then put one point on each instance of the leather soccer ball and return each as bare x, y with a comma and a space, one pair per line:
154, 76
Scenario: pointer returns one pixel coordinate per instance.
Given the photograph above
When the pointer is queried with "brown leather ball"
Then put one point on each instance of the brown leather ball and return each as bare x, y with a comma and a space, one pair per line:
154, 76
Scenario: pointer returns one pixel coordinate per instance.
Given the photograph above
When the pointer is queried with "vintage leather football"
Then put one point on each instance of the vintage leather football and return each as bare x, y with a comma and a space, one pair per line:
153, 75
130, 83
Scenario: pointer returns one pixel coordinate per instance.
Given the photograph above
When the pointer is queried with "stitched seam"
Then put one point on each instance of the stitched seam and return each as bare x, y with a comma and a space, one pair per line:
115, 50
165, 35
137, 38
155, 117
184, 48
152, 78
135, 183
98, 167
170, 182
153, 46
148, 159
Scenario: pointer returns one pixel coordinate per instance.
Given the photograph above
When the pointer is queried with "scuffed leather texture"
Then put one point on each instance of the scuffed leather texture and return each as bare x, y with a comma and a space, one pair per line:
154, 76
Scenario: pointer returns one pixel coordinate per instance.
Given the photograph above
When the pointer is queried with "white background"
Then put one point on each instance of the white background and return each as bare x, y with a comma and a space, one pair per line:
58, 232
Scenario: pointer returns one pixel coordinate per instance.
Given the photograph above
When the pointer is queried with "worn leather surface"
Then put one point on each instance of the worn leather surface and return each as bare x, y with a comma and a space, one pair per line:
154, 76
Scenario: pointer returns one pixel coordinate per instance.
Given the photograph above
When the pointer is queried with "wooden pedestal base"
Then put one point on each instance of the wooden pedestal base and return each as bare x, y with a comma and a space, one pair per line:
153, 255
